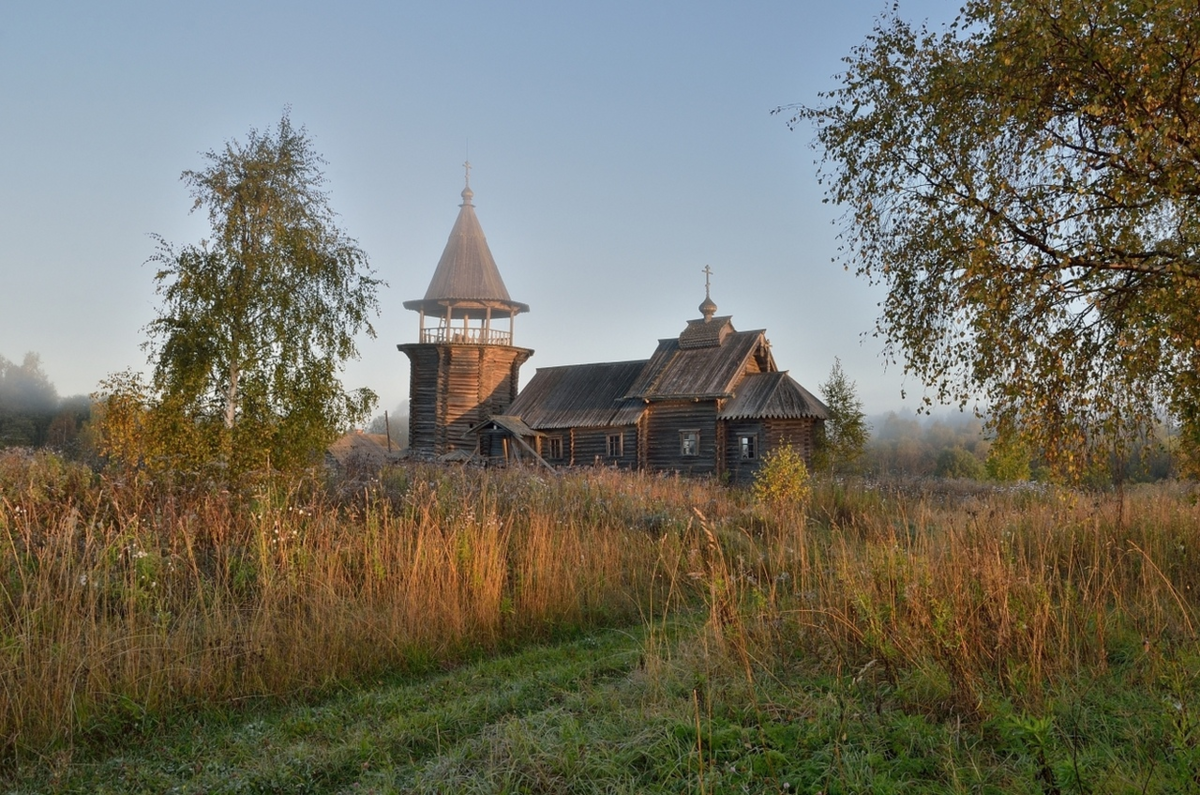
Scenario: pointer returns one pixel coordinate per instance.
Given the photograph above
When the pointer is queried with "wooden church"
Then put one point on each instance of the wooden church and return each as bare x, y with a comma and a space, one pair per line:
709, 402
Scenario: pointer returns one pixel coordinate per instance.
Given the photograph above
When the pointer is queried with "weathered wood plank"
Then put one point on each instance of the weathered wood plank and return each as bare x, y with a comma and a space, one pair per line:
455, 387
666, 421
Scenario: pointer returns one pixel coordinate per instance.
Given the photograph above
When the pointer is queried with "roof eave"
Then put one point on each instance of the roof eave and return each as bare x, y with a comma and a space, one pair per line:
769, 416
471, 306
687, 396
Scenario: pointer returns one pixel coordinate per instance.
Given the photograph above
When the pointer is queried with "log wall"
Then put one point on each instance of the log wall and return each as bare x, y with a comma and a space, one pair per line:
665, 421
742, 470
589, 446
770, 434
800, 434
455, 387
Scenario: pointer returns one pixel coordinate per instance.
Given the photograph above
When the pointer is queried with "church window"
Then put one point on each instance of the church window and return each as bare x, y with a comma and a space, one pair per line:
616, 445
689, 443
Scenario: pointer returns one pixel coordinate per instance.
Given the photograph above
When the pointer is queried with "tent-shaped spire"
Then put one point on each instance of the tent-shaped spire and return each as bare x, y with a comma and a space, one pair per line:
467, 280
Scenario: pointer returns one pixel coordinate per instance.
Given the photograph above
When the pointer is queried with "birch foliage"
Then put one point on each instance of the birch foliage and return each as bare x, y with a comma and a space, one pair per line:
1024, 183
257, 321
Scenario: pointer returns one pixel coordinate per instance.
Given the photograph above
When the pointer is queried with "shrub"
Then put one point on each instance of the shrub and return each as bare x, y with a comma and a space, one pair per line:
782, 480
1007, 461
960, 463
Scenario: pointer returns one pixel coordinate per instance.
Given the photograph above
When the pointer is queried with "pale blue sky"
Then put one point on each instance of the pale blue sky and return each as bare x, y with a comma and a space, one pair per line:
617, 148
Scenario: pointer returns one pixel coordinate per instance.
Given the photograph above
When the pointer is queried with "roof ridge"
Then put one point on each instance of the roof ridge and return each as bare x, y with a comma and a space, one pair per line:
775, 385
591, 364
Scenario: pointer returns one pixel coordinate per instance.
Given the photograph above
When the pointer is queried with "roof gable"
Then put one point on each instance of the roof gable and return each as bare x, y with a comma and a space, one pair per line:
514, 425
772, 396
701, 372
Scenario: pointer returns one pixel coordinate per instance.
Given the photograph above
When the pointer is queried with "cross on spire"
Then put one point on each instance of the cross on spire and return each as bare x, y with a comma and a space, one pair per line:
708, 308
467, 193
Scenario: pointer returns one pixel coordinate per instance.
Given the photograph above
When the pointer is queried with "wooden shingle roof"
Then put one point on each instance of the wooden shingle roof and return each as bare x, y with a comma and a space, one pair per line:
580, 396
706, 333
772, 396
711, 371
466, 276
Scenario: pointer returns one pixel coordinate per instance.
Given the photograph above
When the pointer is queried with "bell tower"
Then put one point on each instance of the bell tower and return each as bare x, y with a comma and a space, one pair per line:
464, 368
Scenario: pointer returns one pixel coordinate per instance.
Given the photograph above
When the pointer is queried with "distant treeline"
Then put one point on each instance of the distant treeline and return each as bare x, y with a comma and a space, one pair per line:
956, 446
31, 412
959, 446
33, 415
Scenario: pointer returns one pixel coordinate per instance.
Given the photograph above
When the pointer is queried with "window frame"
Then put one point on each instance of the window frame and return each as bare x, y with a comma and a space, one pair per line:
619, 438
692, 451
554, 447
748, 446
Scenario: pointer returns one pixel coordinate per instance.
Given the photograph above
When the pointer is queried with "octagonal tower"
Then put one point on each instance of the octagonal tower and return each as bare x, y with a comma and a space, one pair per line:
464, 368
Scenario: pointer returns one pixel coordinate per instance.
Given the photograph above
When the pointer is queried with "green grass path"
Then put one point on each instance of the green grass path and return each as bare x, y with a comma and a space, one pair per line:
544, 719
616, 711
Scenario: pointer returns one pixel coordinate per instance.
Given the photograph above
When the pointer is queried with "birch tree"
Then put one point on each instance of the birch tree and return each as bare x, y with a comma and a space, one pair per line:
1025, 182
257, 321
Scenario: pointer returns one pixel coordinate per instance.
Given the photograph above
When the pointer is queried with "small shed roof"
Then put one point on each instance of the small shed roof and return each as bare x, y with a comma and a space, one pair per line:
711, 371
772, 396
510, 423
580, 396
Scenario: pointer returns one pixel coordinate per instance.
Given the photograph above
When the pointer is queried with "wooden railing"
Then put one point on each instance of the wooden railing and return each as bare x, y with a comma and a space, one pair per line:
466, 336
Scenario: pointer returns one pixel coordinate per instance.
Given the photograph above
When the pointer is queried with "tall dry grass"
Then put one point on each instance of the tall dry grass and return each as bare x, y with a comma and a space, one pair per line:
121, 599
961, 599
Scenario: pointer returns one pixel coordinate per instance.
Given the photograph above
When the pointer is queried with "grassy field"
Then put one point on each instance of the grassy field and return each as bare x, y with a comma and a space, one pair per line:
455, 630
